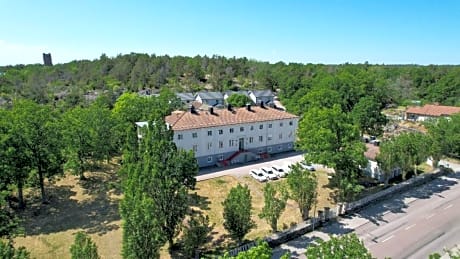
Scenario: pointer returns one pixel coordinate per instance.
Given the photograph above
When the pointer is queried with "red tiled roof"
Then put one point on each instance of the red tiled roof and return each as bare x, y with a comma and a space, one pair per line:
181, 120
433, 110
371, 151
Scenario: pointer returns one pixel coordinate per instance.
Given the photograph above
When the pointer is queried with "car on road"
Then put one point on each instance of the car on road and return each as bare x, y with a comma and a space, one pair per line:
258, 175
279, 170
268, 172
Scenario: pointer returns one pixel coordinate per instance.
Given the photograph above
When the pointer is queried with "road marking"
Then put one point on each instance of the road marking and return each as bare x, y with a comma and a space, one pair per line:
409, 227
388, 238
448, 207
430, 216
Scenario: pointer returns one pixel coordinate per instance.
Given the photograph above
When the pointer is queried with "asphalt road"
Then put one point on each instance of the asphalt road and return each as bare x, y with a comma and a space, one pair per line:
413, 224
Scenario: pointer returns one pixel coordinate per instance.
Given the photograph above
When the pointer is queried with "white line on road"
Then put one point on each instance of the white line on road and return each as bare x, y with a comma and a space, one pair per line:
430, 216
409, 227
448, 207
388, 238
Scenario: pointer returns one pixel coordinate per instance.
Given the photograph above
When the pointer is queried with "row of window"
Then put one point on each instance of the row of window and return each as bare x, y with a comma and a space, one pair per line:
260, 151
232, 130
233, 142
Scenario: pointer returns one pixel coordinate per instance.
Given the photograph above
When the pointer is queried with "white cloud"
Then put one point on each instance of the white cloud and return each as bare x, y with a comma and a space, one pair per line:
17, 53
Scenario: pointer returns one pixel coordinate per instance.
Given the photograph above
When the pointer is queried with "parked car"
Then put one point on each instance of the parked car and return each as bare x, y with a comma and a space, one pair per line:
307, 165
268, 172
279, 170
258, 175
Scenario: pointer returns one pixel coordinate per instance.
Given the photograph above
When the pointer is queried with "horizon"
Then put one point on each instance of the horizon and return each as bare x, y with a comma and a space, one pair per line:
331, 33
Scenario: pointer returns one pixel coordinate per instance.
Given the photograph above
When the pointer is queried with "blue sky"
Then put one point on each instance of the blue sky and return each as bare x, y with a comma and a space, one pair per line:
321, 31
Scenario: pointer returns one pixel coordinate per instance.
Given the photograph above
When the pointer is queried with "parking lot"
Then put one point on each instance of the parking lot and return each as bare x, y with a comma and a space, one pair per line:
239, 170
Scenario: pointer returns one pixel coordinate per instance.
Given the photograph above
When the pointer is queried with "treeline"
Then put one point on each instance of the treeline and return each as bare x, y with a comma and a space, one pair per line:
133, 72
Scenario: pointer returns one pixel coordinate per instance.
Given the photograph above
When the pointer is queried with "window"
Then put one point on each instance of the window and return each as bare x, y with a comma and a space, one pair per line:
261, 138
194, 135
252, 127
289, 145
280, 136
209, 159
231, 130
195, 148
221, 144
179, 136
270, 126
241, 129
251, 139
280, 147
290, 134
281, 124
260, 151
209, 132
269, 149
221, 132
290, 123
209, 145
269, 137
231, 142
221, 157
261, 126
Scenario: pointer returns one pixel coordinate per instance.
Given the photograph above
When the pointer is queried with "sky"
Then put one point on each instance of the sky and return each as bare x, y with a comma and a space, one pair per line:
310, 31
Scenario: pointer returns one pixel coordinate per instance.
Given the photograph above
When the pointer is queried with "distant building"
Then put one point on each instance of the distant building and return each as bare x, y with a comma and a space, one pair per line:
373, 169
264, 96
230, 93
47, 59
430, 111
186, 98
210, 98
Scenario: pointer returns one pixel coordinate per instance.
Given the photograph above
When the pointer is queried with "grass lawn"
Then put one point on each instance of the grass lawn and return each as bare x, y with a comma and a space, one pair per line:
92, 206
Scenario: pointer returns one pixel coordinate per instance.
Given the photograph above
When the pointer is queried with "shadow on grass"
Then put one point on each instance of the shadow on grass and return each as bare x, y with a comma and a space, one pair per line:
94, 214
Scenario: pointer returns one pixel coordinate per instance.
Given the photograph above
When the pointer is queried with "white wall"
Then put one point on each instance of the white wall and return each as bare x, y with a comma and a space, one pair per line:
207, 145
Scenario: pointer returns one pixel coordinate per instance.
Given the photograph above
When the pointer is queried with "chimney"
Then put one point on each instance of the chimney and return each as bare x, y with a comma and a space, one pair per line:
192, 109
262, 104
211, 110
248, 106
229, 107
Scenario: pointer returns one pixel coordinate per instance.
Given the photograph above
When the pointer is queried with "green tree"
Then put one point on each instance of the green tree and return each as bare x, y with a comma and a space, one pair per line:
195, 234
238, 100
156, 183
330, 138
275, 202
389, 158
7, 251
366, 114
237, 212
414, 149
87, 133
445, 136
41, 135
346, 246
83, 247
302, 188
260, 251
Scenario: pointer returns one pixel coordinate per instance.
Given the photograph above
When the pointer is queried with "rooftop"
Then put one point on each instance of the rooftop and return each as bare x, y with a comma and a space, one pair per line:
433, 110
185, 120
371, 151
262, 93
210, 95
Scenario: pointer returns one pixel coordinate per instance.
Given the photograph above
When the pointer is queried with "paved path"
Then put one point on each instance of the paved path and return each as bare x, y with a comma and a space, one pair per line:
413, 224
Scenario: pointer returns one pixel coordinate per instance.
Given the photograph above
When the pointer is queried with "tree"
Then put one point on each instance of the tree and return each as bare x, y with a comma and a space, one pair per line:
83, 247
156, 182
237, 212
414, 149
328, 137
303, 188
346, 246
238, 100
83, 129
366, 114
275, 202
445, 136
38, 124
195, 234
7, 251
389, 158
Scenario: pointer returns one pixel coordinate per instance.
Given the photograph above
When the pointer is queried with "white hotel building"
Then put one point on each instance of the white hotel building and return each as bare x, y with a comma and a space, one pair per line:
227, 136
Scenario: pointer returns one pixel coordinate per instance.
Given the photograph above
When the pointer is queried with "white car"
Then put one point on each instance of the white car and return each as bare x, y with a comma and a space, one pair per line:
268, 172
307, 165
258, 175
279, 170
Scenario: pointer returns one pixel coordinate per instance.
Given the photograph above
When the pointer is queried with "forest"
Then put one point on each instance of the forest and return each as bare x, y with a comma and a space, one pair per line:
52, 119
76, 82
